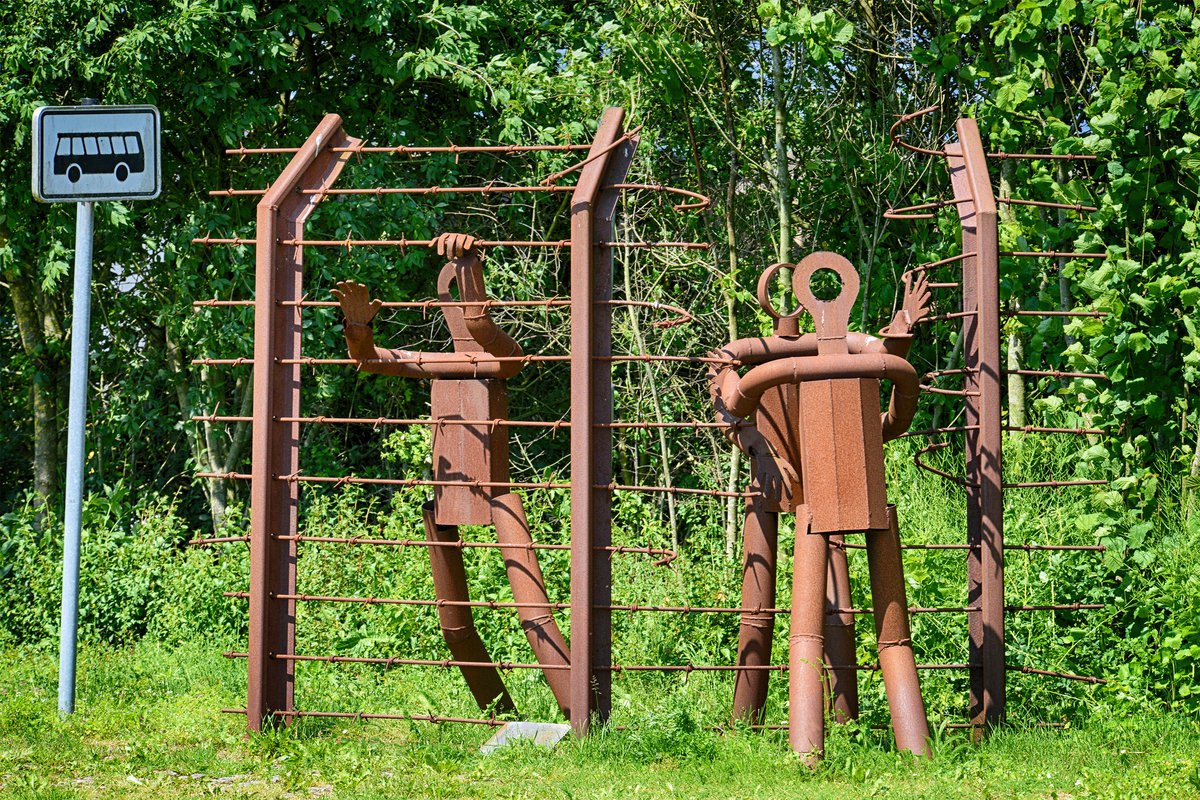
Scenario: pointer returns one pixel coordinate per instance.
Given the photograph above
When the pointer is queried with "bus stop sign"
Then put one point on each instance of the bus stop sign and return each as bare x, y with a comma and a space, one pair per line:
92, 153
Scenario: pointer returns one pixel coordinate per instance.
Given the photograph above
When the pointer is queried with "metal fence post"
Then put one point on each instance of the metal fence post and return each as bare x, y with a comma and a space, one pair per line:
984, 444
591, 452
81, 325
275, 450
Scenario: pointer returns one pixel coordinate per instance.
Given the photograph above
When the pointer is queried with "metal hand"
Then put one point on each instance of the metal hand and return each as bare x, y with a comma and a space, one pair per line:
356, 302
455, 245
774, 475
917, 298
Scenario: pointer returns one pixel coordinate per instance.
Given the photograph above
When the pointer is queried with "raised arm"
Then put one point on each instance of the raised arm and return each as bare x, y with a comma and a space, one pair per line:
774, 475
479, 344
897, 336
359, 310
467, 272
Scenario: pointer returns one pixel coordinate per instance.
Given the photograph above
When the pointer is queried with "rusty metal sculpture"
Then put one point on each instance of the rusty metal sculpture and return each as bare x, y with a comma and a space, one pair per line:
815, 402
784, 432
470, 464
280, 308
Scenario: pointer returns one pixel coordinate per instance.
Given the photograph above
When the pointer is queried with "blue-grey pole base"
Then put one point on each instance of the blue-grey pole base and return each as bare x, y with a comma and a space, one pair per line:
81, 323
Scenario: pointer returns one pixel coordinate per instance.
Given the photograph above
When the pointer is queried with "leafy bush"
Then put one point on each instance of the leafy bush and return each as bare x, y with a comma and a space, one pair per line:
134, 578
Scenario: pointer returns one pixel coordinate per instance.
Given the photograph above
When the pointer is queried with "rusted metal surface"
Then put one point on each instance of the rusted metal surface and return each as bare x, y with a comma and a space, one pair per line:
470, 417
275, 445
591, 407
350, 243
598, 152
458, 626
894, 638
806, 642
471, 471
471, 367
408, 150
986, 686
819, 449
839, 634
793, 390
699, 203
905, 212
410, 482
760, 536
469, 412
529, 590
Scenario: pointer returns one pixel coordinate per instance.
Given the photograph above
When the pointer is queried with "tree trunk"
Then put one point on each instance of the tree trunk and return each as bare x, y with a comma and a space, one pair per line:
1016, 383
875, 80
1064, 283
216, 447
733, 516
652, 385
40, 327
782, 178
1016, 348
1193, 480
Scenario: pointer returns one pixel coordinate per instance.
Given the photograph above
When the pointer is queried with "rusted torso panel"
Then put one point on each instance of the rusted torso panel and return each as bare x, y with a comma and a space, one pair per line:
778, 419
841, 446
468, 452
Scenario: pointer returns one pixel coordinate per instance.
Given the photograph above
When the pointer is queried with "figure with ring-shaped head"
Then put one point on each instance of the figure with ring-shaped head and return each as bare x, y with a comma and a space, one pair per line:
807, 412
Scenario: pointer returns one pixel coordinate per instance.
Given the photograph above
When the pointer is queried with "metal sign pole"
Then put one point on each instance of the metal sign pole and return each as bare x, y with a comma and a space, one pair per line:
86, 154
81, 323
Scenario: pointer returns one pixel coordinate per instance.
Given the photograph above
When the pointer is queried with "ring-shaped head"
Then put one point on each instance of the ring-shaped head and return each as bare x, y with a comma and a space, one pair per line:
784, 324
831, 317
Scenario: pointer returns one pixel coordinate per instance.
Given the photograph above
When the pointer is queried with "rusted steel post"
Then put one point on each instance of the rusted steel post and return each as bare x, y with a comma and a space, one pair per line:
591, 411
281, 214
970, 333
985, 498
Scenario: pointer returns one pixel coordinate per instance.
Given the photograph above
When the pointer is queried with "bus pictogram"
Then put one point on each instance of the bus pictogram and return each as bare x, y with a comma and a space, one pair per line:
117, 152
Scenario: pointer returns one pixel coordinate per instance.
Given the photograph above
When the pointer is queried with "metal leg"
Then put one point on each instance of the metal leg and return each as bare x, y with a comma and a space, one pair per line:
839, 635
806, 706
894, 637
458, 625
529, 587
760, 539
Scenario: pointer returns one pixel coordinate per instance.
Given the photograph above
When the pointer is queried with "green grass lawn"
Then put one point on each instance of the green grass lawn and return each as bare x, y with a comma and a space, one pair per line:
149, 724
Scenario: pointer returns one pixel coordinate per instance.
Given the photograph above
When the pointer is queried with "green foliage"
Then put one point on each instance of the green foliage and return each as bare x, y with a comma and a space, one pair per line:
1145, 640
133, 580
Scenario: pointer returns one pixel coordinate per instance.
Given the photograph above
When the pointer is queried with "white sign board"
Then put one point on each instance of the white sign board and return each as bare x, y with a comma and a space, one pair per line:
96, 153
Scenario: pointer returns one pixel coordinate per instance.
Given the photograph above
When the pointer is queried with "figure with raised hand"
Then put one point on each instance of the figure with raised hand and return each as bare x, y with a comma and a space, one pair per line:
807, 412
470, 463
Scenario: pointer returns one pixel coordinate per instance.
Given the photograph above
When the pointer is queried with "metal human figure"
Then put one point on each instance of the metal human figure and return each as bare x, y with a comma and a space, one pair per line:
470, 464
815, 405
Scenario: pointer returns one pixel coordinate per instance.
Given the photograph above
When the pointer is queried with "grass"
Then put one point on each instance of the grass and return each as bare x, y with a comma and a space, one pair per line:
149, 724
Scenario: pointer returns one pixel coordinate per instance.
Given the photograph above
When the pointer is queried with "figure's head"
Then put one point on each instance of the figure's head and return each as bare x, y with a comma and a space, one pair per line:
831, 317
784, 324
811, 279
